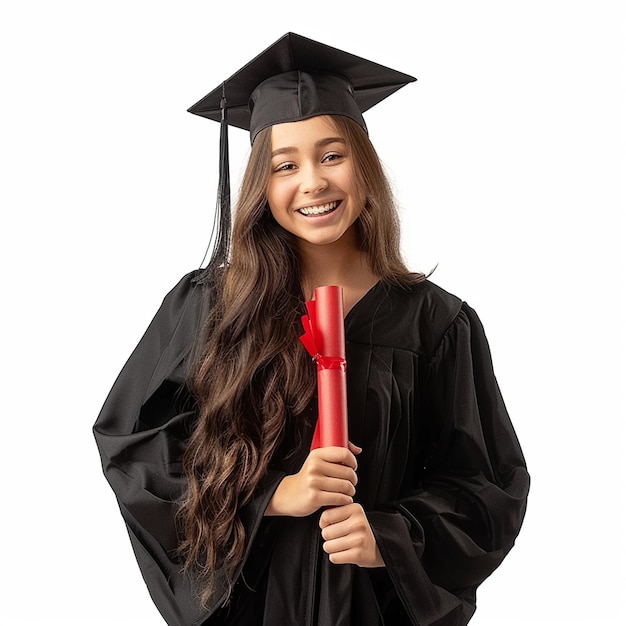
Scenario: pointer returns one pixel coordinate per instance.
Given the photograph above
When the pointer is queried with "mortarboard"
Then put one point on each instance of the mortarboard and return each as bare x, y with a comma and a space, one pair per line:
293, 79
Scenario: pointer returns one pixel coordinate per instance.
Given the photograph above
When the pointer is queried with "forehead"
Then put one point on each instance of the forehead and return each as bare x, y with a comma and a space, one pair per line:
304, 132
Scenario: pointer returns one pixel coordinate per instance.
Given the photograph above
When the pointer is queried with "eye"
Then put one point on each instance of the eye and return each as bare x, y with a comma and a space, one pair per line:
331, 157
284, 167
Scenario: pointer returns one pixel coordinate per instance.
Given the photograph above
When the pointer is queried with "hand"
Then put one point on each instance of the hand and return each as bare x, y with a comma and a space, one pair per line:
348, 536
327, 478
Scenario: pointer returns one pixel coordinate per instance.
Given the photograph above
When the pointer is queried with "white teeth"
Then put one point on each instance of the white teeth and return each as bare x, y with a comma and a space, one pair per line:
318, 210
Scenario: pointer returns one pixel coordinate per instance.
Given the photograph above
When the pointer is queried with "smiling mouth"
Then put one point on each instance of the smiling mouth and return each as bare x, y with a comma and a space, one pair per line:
320, 209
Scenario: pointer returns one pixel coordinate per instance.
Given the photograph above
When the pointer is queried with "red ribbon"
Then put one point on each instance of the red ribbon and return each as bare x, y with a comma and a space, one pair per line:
330, 363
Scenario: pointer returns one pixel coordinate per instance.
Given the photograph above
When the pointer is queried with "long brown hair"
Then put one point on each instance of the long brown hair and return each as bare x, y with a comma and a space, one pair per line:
252, 377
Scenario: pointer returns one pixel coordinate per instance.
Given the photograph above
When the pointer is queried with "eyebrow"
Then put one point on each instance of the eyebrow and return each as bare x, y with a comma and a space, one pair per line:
318, 144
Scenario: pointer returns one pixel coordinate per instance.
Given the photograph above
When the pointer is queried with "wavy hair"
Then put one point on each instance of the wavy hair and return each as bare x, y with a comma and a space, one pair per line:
252, 379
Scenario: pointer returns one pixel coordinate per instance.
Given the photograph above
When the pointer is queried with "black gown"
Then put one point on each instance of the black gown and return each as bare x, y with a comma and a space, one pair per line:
442, 477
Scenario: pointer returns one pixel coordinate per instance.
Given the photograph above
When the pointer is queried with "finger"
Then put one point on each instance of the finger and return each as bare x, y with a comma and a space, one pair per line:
354, 548
352, 555
333, 485
333, 500
335, 470
340, 529
354, 448
334, 454
320, 467
338, 514
350, 522
341, 544
357, 556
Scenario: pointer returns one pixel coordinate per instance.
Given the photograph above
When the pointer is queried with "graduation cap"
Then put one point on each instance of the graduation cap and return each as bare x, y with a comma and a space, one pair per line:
293, 79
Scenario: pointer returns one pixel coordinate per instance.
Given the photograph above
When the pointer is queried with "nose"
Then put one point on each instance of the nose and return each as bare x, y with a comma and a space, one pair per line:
313, 179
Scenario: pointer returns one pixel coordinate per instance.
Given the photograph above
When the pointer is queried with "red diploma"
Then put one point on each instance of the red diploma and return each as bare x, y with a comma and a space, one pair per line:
324, 340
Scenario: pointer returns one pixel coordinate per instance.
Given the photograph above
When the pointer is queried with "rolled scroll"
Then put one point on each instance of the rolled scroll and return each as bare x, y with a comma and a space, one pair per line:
325, 341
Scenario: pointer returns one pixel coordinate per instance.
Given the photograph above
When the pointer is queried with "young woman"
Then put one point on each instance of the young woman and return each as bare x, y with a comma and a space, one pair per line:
205, 436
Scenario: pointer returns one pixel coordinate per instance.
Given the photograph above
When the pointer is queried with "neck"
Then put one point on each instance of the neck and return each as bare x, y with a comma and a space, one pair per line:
336, 264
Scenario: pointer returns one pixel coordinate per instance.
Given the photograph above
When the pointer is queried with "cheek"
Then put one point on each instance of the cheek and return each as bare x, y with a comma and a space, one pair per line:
273, 194
275, 213
357, 193
276, 198
348, 181
279, 196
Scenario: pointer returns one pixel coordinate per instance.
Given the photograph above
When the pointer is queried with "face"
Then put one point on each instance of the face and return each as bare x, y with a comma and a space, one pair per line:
313, 191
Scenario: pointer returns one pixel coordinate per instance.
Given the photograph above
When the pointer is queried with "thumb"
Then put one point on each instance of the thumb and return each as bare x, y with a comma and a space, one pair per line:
354, 448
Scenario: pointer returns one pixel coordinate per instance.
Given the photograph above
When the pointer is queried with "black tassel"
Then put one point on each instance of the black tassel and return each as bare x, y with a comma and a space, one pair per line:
219, 241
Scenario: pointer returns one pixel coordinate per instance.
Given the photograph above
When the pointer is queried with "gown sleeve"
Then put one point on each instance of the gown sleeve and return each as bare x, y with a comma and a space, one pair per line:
141, 434
468, 499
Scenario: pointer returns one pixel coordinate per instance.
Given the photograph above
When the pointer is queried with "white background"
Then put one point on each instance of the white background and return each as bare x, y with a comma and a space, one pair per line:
508, 160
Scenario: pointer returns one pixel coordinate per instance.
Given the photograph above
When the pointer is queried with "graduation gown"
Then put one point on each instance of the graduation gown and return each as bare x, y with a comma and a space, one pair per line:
442, 477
